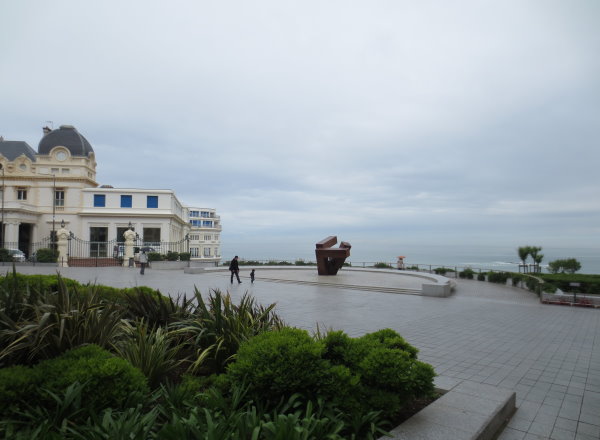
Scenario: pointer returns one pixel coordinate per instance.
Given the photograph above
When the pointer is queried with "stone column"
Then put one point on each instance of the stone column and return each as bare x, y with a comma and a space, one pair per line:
129, 236
62, 236
12, 234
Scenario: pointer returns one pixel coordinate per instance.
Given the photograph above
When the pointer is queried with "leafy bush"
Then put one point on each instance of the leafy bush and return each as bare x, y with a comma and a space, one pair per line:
214, 331
152, 351
155, 256
5, 256
108, 381
468, 273
38, 324
481, 276
569, 265
46, 255
516, 279
442, 270
390, 374
16, 382
381, 265
153, 307
172, 256
377, 372
279, 364
587, 283
498, 277
185, 256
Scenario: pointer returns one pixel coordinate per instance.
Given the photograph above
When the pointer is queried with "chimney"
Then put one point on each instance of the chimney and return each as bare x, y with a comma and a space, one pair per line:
46, 130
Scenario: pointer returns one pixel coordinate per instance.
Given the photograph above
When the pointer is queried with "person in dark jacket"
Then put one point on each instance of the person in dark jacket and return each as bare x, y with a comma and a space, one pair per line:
234, 267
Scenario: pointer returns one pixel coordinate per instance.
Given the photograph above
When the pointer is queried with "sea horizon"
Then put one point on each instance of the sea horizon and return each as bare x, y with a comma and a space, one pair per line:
476, 257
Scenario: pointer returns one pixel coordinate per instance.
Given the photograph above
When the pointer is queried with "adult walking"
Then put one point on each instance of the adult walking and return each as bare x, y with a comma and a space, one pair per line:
143, 258
234, 267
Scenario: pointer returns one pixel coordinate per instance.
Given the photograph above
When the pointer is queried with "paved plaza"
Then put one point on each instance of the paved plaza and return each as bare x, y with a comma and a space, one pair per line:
484, 333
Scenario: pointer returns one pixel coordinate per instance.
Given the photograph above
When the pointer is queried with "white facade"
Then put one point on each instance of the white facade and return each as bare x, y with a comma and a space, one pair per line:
205, 234
57, 184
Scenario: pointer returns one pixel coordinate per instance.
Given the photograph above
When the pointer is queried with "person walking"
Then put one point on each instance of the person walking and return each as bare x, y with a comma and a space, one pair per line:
234, 267
143, 258
252, 276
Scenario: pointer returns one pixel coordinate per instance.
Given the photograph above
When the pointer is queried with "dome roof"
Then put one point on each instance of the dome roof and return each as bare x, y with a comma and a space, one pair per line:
13, 149
66, 136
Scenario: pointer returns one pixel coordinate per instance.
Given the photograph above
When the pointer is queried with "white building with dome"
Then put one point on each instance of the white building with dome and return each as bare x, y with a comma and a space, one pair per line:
57, 185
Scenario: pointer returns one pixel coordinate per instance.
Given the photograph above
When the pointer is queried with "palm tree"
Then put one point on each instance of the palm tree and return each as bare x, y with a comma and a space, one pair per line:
523, 254
538, 259
534, 252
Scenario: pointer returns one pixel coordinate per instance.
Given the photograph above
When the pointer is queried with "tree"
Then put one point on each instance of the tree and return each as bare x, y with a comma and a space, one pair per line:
538, 260
536, 257
568, 265
523, 254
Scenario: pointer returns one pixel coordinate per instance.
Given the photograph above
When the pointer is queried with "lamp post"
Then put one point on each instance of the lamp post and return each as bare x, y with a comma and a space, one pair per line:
2, 227
54, 208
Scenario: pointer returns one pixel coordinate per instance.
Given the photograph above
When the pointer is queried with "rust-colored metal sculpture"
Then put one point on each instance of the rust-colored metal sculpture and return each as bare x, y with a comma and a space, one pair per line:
330, 259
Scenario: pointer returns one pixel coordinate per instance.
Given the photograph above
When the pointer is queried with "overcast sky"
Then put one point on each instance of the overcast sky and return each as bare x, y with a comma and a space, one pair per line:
382, 122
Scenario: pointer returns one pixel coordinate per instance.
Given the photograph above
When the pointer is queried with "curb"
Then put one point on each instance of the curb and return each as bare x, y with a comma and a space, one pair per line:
469, 411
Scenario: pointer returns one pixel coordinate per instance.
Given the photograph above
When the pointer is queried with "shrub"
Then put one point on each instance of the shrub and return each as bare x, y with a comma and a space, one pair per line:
391, 339
155, 256
467, 273
515, 279
5, 256
41, 324
442, 270
381, 265
185, 256
587, 283
279, 363
17, 382
172, 256
498, 277
214, 331
46, 255
108, 381
569, 265
377, 372
390, 374
153, 351
481, 276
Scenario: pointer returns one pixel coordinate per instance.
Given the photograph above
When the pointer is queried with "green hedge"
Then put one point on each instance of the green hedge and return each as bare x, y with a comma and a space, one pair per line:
588, 283
377, 372
468, 273
108, 381
46, 255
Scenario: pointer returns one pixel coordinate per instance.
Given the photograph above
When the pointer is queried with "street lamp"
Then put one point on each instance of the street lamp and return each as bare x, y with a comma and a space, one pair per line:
53, 209
2, 227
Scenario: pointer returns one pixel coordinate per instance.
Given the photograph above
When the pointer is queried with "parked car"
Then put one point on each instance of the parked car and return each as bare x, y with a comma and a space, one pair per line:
17, 255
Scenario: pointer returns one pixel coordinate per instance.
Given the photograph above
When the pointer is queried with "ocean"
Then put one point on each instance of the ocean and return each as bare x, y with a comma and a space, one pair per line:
476, 257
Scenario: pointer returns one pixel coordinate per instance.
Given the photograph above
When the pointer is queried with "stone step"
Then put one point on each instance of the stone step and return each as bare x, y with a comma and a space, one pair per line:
469, 411
370, 288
